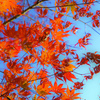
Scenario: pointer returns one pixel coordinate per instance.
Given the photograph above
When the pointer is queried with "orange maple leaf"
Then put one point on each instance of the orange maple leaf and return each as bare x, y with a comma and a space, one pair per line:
72, 8
57, 88
65, 76
80, 42
70, 95
42, 90
66, 66
7, 4
69, 76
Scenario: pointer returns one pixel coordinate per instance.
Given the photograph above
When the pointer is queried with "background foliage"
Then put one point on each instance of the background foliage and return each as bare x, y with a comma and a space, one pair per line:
43, 43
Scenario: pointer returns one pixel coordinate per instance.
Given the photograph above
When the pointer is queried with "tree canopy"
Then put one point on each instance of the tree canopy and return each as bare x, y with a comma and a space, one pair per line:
39, 48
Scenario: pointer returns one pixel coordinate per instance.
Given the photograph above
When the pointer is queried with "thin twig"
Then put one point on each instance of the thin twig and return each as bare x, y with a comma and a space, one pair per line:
72, 17
66, 5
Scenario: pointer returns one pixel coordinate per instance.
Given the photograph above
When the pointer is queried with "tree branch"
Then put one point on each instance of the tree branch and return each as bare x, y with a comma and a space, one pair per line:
23, 12
72, 17
67, 5
37, 4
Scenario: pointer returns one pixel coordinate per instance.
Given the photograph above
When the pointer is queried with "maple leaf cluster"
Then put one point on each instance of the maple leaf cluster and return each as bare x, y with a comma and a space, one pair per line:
32, 51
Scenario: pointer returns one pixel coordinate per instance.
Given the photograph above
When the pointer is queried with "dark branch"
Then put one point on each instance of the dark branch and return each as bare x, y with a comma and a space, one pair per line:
23, 12
38, 3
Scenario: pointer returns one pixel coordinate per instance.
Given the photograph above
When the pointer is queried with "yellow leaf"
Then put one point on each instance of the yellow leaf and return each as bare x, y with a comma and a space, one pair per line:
71, 67
68, 8
43, 90
34, 97
71, 7
68, 67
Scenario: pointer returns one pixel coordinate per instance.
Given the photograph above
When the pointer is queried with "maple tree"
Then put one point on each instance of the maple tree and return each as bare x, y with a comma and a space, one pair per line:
35, 52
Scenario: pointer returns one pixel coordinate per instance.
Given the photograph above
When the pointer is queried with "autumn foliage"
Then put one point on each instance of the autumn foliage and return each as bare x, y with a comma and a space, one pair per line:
38, 61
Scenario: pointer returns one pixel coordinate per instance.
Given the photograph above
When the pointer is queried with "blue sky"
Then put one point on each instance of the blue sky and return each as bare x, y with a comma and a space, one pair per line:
91, 89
